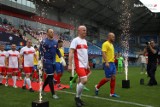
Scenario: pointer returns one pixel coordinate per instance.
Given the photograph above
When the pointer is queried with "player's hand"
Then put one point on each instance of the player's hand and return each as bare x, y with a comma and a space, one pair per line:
107, 64
69, 68
63, 61
88, 67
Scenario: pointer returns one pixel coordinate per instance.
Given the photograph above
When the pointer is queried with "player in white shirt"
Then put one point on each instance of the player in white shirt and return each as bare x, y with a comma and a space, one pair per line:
79, 52
3, 63
28, 53
143, 61
13, 64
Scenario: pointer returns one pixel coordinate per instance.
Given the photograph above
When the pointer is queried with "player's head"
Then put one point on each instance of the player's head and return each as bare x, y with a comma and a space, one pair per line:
60, 43
2, 47
50, 33
120, 54
111, 37
29, 43
36, 48
13, 47
152, 43
82, 31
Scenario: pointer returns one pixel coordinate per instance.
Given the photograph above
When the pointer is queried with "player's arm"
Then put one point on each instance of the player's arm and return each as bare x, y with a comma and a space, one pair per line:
70, 58
144, 51
154, 51
21, 58
71, 53
58, 52
6, 61
104, 56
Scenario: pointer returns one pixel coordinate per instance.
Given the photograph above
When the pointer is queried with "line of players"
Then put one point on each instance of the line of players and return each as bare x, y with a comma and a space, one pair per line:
48, 50
12, 62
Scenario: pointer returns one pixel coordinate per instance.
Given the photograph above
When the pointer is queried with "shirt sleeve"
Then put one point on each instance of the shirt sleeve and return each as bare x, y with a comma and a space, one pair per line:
57, 51
73, 44
104, 47
62, 52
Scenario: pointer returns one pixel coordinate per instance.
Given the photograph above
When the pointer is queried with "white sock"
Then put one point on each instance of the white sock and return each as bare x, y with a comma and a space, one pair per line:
24, 83
6, 78
28, 81
80, 87
14, 80
1, 78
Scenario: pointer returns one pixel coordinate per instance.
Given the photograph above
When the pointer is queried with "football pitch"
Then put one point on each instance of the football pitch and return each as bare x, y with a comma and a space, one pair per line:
136, 96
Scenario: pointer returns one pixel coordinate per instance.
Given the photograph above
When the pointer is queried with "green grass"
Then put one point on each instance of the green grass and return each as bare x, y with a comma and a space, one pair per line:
143, 94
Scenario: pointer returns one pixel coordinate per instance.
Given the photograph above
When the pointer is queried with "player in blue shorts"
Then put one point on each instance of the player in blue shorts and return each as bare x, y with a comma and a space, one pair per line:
48, 51
59, 66
108, 65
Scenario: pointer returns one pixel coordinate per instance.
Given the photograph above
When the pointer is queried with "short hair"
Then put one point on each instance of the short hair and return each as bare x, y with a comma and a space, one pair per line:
35, 46
13, 44
48, 29
28, 40
60, 41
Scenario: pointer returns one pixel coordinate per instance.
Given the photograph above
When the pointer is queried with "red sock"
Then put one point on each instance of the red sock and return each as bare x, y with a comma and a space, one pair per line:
35, 75
112, 86
19, 74
59, 78
55, 76
5, 74
102, 82
44, 76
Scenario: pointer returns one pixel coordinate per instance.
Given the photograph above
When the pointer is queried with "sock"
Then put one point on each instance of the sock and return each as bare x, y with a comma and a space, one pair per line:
19, 74
44, 76
24, 83
14, 80
80, 87
112, 86
28, 81
102, 82
45, 83
59, 78
6, 78
51, 85
35, 75
55, 76
74, 78
1, 78
5, 74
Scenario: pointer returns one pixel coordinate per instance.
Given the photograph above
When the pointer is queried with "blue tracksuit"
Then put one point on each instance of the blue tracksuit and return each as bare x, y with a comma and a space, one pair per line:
48, 51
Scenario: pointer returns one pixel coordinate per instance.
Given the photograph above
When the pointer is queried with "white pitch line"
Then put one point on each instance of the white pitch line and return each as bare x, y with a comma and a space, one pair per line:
118, 101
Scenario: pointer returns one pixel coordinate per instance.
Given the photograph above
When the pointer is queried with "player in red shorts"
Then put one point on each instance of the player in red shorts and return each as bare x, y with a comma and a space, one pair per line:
79, 52
3, 55
27, 53
13, 61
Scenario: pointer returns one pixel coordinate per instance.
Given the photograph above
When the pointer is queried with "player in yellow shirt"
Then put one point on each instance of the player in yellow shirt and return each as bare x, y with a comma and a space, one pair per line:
108, 65
35, 62
59, 66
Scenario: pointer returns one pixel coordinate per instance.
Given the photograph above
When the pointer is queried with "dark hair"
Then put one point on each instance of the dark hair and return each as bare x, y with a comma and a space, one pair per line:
35, 46
60, 41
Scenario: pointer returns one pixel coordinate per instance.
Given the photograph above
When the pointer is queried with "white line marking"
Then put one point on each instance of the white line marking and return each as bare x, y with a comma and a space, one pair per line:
102, 98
